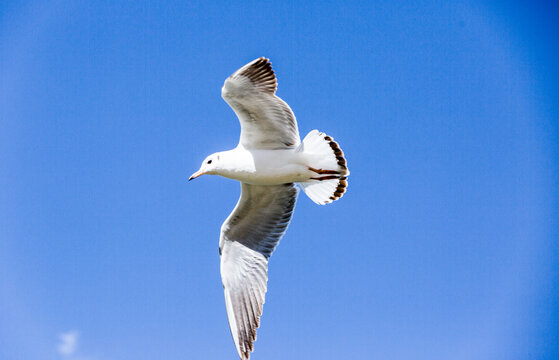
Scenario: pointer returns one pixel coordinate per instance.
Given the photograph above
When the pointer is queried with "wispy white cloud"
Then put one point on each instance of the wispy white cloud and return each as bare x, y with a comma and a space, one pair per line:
68, 343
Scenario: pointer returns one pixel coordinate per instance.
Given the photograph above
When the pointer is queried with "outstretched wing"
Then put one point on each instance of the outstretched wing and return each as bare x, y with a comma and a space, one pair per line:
248, 238
267, 122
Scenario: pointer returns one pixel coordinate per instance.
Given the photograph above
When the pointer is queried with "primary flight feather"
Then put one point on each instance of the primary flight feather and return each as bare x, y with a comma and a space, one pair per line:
269, 159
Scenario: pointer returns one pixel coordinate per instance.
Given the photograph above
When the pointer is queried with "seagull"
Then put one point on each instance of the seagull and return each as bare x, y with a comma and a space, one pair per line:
268, 161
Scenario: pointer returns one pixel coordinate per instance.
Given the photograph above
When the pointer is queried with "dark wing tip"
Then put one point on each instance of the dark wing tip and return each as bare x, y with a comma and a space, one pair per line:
261, 74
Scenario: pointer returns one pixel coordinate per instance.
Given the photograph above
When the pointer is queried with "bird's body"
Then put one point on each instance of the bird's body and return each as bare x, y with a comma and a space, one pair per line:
268, 161
266, 167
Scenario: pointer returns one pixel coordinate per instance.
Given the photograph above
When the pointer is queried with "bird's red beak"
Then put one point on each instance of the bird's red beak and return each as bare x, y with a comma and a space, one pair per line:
196, 174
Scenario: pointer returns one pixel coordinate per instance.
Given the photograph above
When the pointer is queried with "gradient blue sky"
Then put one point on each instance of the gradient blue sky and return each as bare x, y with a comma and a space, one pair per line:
444, 247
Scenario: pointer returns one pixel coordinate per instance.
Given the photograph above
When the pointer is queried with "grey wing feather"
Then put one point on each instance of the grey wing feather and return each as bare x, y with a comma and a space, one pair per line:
267, 122
248, 238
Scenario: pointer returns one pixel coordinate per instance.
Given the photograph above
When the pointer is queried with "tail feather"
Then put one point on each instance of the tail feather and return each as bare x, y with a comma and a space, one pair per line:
327, 160
337, 152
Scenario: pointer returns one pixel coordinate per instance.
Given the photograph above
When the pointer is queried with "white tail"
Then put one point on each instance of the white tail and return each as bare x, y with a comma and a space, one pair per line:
328, 162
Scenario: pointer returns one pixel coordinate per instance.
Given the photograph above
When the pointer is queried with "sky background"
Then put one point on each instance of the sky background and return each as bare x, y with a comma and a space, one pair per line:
444, 247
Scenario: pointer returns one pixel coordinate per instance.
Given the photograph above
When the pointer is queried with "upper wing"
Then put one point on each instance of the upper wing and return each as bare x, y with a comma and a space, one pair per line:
248, 238
267, 122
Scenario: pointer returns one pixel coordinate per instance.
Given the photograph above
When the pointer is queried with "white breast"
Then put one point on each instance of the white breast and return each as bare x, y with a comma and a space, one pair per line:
266, 167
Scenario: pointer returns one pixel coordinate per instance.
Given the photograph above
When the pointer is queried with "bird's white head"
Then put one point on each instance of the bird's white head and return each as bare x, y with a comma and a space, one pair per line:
211, 166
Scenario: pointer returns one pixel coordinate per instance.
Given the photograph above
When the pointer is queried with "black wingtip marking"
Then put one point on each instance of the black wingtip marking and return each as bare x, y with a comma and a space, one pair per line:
262, 75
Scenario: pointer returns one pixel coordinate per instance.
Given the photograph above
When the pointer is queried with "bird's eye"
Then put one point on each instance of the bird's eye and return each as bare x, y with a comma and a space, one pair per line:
209, 162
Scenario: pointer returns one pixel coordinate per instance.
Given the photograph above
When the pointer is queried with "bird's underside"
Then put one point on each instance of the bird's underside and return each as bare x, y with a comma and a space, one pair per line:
254, 228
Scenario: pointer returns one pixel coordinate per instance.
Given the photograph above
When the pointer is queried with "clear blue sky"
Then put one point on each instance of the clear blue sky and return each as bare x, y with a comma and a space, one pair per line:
444, 247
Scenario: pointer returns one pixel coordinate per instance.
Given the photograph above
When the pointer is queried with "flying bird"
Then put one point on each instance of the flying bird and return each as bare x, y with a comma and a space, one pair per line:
269, 159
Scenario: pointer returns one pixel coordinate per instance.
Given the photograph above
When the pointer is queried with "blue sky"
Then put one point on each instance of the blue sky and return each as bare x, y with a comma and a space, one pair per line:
444, 247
